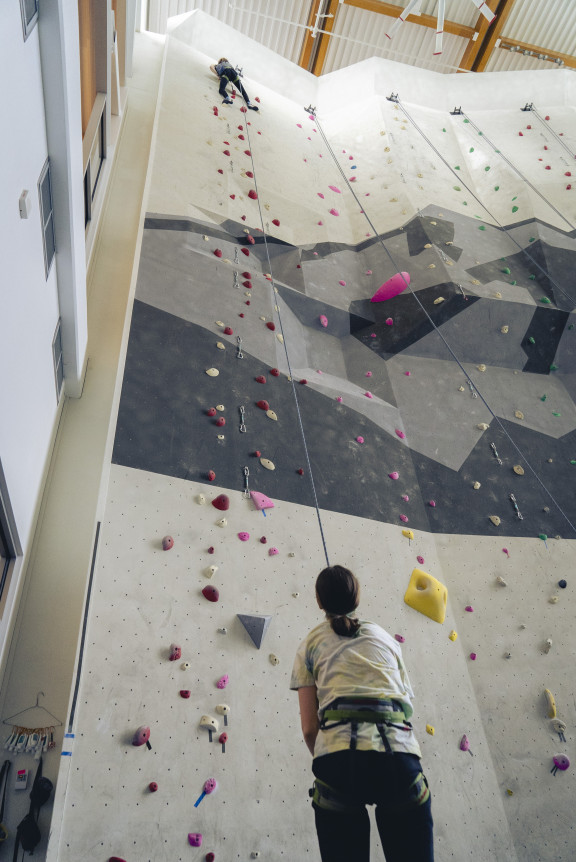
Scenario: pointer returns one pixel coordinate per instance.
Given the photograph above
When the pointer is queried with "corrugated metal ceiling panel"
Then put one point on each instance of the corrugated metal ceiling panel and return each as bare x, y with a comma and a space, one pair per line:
359, 34
550, 24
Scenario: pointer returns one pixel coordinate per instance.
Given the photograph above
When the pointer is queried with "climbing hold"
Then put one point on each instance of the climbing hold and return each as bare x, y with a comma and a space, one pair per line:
260, 379
142, 736
548, 645
342, 283
389, 321
392, 287
323, 320
220, 421
553, 600
273, 552
469, 608
276, 222
218, 252
269, 465
228, 331
400, 639
222, 502
473, 656
482, 426
210, 857
185, 665
153, 787
243, 536
359, 439
195, 839
420, 559
211, 411
335, 189
263, 405
334, 212
476, 486
274, 372
408, 534
400, 434
506, 270
274, 659
167, 543
432, 503
300, 471
439, 300
465, 744
211, 476
518, 469
210, 571
211, 593
271, 325
562, 584
500, 580
212, 372
427, 595
303, 381
368, 395
518, 414
430, 730
561, 763
481, 367
175, 652
453, 635
185, 693
220, 346
271, 415
395, 475
261, 501
252, 194
495, 520
256, 625
404, 518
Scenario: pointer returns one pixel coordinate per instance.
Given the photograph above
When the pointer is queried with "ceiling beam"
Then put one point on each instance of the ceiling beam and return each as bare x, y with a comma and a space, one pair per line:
308, 42
492, 34
322, 39
425, 20
477, 40
569, 59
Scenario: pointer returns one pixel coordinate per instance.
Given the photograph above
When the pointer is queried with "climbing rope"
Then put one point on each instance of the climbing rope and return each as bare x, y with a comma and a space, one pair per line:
397, 269
549, 128
284, 341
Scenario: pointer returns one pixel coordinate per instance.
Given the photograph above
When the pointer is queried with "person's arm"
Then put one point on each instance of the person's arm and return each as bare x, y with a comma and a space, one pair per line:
308, 700
213, 69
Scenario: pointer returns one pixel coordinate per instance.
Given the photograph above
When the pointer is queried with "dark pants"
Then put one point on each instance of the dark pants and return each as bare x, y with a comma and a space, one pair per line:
372, 777
229, 76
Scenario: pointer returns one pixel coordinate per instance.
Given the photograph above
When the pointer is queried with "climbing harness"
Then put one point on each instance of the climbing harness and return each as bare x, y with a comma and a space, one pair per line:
328, 798
356, 711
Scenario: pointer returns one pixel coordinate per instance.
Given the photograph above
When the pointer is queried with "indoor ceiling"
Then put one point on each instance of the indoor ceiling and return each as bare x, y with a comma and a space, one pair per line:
325, 35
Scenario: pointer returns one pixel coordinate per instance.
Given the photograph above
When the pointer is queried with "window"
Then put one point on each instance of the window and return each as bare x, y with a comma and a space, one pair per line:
9, 545
57, 356
5, 558
47, 215
29, 11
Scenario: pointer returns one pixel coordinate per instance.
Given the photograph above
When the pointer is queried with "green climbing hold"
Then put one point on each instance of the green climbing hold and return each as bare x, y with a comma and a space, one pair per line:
471, 150
506, 270
553, 367
457, 188
515, 198
571, 326
545, 300
464, 203
443, 130
512, 282
466, 121
556, 414
573, 461
496, 188
487, 168
543, 536
532, 340
480, 133
532, 277
481, 227
514, 209
543, 398
456, 167
532, 238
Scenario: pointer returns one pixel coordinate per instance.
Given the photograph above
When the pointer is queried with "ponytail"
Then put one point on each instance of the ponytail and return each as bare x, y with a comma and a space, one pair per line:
338, 594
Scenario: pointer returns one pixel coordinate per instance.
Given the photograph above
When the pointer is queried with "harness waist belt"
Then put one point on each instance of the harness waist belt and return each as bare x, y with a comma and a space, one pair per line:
382, 713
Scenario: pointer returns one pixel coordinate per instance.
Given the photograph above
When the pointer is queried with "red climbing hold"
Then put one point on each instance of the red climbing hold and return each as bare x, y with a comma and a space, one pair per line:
276, 222
263, 540
274, 372
252, 194
243, 218
546, 118
263, 405
250, 175
568, 174
271, 325
211, 593
568, 187
247, 302
233, 197
185, 693
228, 330
303, 382
247, 284
521, 134
152, 787
247, 153
547, 168
211, 475
245, 251
211, 411
250, 239
220, 171
218, 252
221, 502
220, 421
240, 137
300, 471
211, 549
241, 314
260, 379
226, 152
257, 453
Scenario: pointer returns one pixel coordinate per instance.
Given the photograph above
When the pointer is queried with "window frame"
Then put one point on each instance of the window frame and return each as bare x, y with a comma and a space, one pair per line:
58, 360
47, 219
28, 25
9, 539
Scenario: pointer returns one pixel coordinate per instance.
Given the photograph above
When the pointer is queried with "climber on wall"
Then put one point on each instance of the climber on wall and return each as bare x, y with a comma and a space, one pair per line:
224, 70
355, 702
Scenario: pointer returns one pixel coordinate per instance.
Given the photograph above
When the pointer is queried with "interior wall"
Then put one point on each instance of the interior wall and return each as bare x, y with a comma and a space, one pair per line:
500, 803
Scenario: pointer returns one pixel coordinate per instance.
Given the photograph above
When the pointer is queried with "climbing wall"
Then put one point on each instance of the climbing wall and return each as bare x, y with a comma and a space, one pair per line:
433, 429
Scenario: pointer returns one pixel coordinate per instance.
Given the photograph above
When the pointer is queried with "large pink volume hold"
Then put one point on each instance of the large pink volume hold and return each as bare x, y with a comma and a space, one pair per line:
392, 287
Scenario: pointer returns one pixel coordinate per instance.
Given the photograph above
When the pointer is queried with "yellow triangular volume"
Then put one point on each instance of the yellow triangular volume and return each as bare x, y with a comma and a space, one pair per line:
427, 595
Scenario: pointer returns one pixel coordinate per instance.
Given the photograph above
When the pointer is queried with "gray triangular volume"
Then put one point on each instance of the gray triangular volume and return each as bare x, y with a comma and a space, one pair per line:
256, 625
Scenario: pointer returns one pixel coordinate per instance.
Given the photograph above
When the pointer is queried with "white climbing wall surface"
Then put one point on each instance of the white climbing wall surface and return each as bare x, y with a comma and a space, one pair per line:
501, 802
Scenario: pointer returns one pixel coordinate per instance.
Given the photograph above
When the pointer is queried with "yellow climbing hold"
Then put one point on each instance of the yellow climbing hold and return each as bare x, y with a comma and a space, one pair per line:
438, 300
408, 534
518, 414
430, 730
427, 595
518, 469
453, 635
550, 702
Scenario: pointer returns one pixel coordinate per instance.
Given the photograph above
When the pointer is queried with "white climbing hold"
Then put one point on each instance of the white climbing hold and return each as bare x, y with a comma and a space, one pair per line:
212, 372
548, 645
274, 659
222, 709
280, 337
495, 520
504, 330
476, 486
482, 426
201, 499
500, 580
553, 600
481, 367
220, 346
222, 522
207, 722
269, 465
518, 414
210, 571
439, 300
271, 415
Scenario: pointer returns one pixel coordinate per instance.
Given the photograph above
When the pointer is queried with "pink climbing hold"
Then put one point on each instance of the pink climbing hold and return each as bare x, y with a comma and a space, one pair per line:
272, 552
464, 744
195, 839
392, 287
320, 195
334, 212
408, 373
506, 551
394, 475
211, 475
218, 252
223, 681
335, 189
299, 125
250, 239
359, 439
400, 638
252, 194
420, 560
473, 656
342, 283
432, 504
141, 736
323, 320
406, 498
368, 272
211, 593
221, 502
320, 222
339, 399
469, 608
243, 536
261, 501
389, 321
400, 434
368, 374
175, 652
167, 543
368, 394
404, 518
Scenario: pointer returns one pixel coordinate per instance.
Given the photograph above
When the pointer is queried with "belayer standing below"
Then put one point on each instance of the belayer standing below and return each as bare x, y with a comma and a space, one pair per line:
355, 705
228, 75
